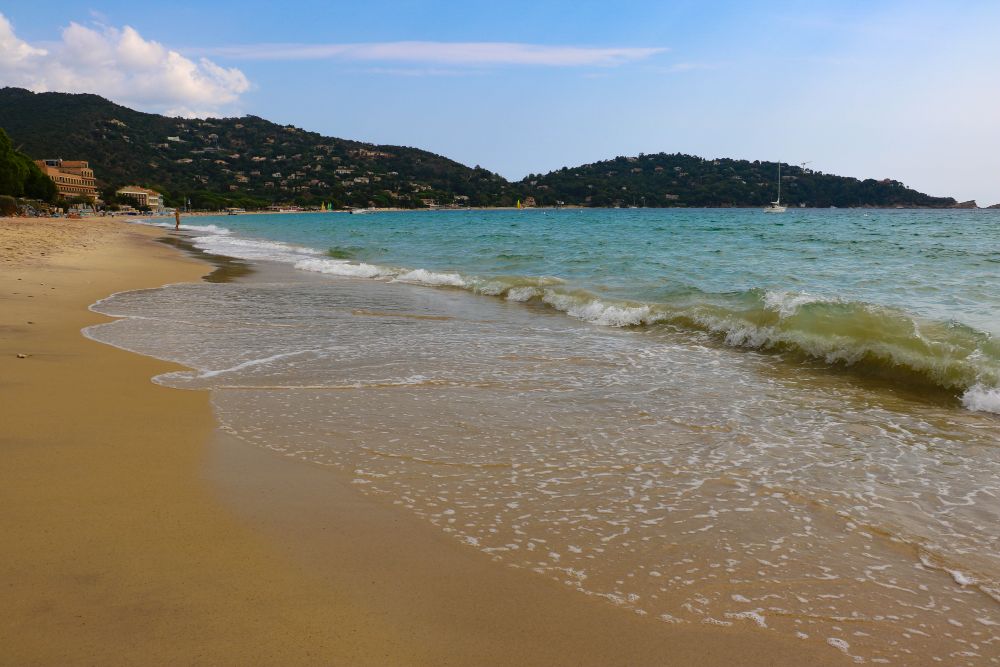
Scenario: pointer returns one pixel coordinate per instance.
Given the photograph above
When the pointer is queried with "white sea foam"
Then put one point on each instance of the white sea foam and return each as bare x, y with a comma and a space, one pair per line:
980, 398
425, 277
491, 288
754, 616
961, 578
204, 229
585, 490
596, 311
209, 229
344, 268
844, 647
521, 293
838, 643
251, 363
253, 249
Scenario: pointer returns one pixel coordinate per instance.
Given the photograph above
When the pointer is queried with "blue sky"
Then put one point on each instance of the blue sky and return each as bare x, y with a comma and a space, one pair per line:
908, 90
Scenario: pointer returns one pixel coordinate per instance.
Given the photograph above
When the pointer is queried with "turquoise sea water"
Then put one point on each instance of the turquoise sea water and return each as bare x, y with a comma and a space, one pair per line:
911, 295
722, 417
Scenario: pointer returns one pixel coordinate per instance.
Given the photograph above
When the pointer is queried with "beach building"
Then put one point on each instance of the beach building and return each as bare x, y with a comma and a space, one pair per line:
73, 178
142, 197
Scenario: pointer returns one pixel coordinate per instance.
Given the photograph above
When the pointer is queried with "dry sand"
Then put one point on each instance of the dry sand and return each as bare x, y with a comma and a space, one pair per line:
134, 533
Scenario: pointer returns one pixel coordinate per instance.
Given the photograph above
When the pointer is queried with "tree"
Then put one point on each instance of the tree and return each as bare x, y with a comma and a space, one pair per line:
13, 172
19, 176
38, 185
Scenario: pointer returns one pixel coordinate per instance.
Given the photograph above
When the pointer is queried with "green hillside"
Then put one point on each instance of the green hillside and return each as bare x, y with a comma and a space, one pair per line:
253, 162
685, 180
239, 161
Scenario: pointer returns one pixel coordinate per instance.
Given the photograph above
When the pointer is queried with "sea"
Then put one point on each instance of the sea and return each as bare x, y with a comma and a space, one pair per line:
784, 422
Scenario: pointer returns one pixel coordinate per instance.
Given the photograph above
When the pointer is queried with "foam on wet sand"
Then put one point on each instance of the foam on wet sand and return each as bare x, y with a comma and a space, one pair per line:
133, 536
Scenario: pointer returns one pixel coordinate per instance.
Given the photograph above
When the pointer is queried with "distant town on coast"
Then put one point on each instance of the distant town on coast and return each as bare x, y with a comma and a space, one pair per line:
101, 156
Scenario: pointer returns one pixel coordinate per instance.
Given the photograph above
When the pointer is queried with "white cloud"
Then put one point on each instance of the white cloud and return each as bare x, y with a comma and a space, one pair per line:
14, 51
122, 65
445, 53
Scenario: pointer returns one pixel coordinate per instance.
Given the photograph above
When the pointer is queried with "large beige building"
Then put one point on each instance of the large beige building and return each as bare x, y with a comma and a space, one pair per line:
73, 178
142, 197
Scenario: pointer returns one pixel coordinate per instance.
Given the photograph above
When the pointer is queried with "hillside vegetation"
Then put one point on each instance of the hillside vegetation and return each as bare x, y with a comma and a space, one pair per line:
20, 176
686, 180
252, 162
239, 161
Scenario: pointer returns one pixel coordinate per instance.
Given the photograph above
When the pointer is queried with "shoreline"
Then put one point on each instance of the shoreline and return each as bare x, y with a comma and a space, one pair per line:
567, 207
140, 534
577, 207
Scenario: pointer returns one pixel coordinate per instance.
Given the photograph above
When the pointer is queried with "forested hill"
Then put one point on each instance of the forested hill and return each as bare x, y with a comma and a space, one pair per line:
665, 179
252, 162
239, 161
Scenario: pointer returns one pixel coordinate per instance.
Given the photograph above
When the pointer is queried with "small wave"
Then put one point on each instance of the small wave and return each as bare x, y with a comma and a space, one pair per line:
880, 340
515, 288
788, 303
204, 229
425, 277
876, 340
339, 267
596, 311
522, 293
210, 229
252, 249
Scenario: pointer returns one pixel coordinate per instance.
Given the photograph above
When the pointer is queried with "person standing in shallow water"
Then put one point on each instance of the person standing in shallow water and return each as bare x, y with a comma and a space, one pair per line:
177, 219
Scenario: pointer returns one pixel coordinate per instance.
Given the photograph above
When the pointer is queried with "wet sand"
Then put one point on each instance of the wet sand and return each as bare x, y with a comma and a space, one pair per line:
135, 533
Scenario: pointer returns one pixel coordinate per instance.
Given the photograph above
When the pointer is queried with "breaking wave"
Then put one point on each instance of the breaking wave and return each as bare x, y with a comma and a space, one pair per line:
879, 340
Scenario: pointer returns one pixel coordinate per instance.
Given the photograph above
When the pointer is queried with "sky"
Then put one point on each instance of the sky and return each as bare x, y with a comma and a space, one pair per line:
899, 89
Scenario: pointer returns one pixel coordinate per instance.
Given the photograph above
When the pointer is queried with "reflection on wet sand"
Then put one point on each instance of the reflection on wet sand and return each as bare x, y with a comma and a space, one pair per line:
679, 479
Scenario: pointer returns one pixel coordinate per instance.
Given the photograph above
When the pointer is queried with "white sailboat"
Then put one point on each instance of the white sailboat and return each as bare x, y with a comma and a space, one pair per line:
775, 206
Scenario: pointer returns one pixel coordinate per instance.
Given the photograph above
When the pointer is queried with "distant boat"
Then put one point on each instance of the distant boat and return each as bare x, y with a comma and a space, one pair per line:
359, 211
776, 206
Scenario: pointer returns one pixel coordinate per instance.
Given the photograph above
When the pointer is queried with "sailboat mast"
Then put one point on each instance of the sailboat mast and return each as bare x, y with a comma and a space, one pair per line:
779, 181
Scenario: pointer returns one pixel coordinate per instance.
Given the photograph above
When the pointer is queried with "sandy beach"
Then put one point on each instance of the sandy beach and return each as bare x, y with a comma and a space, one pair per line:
136, 533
